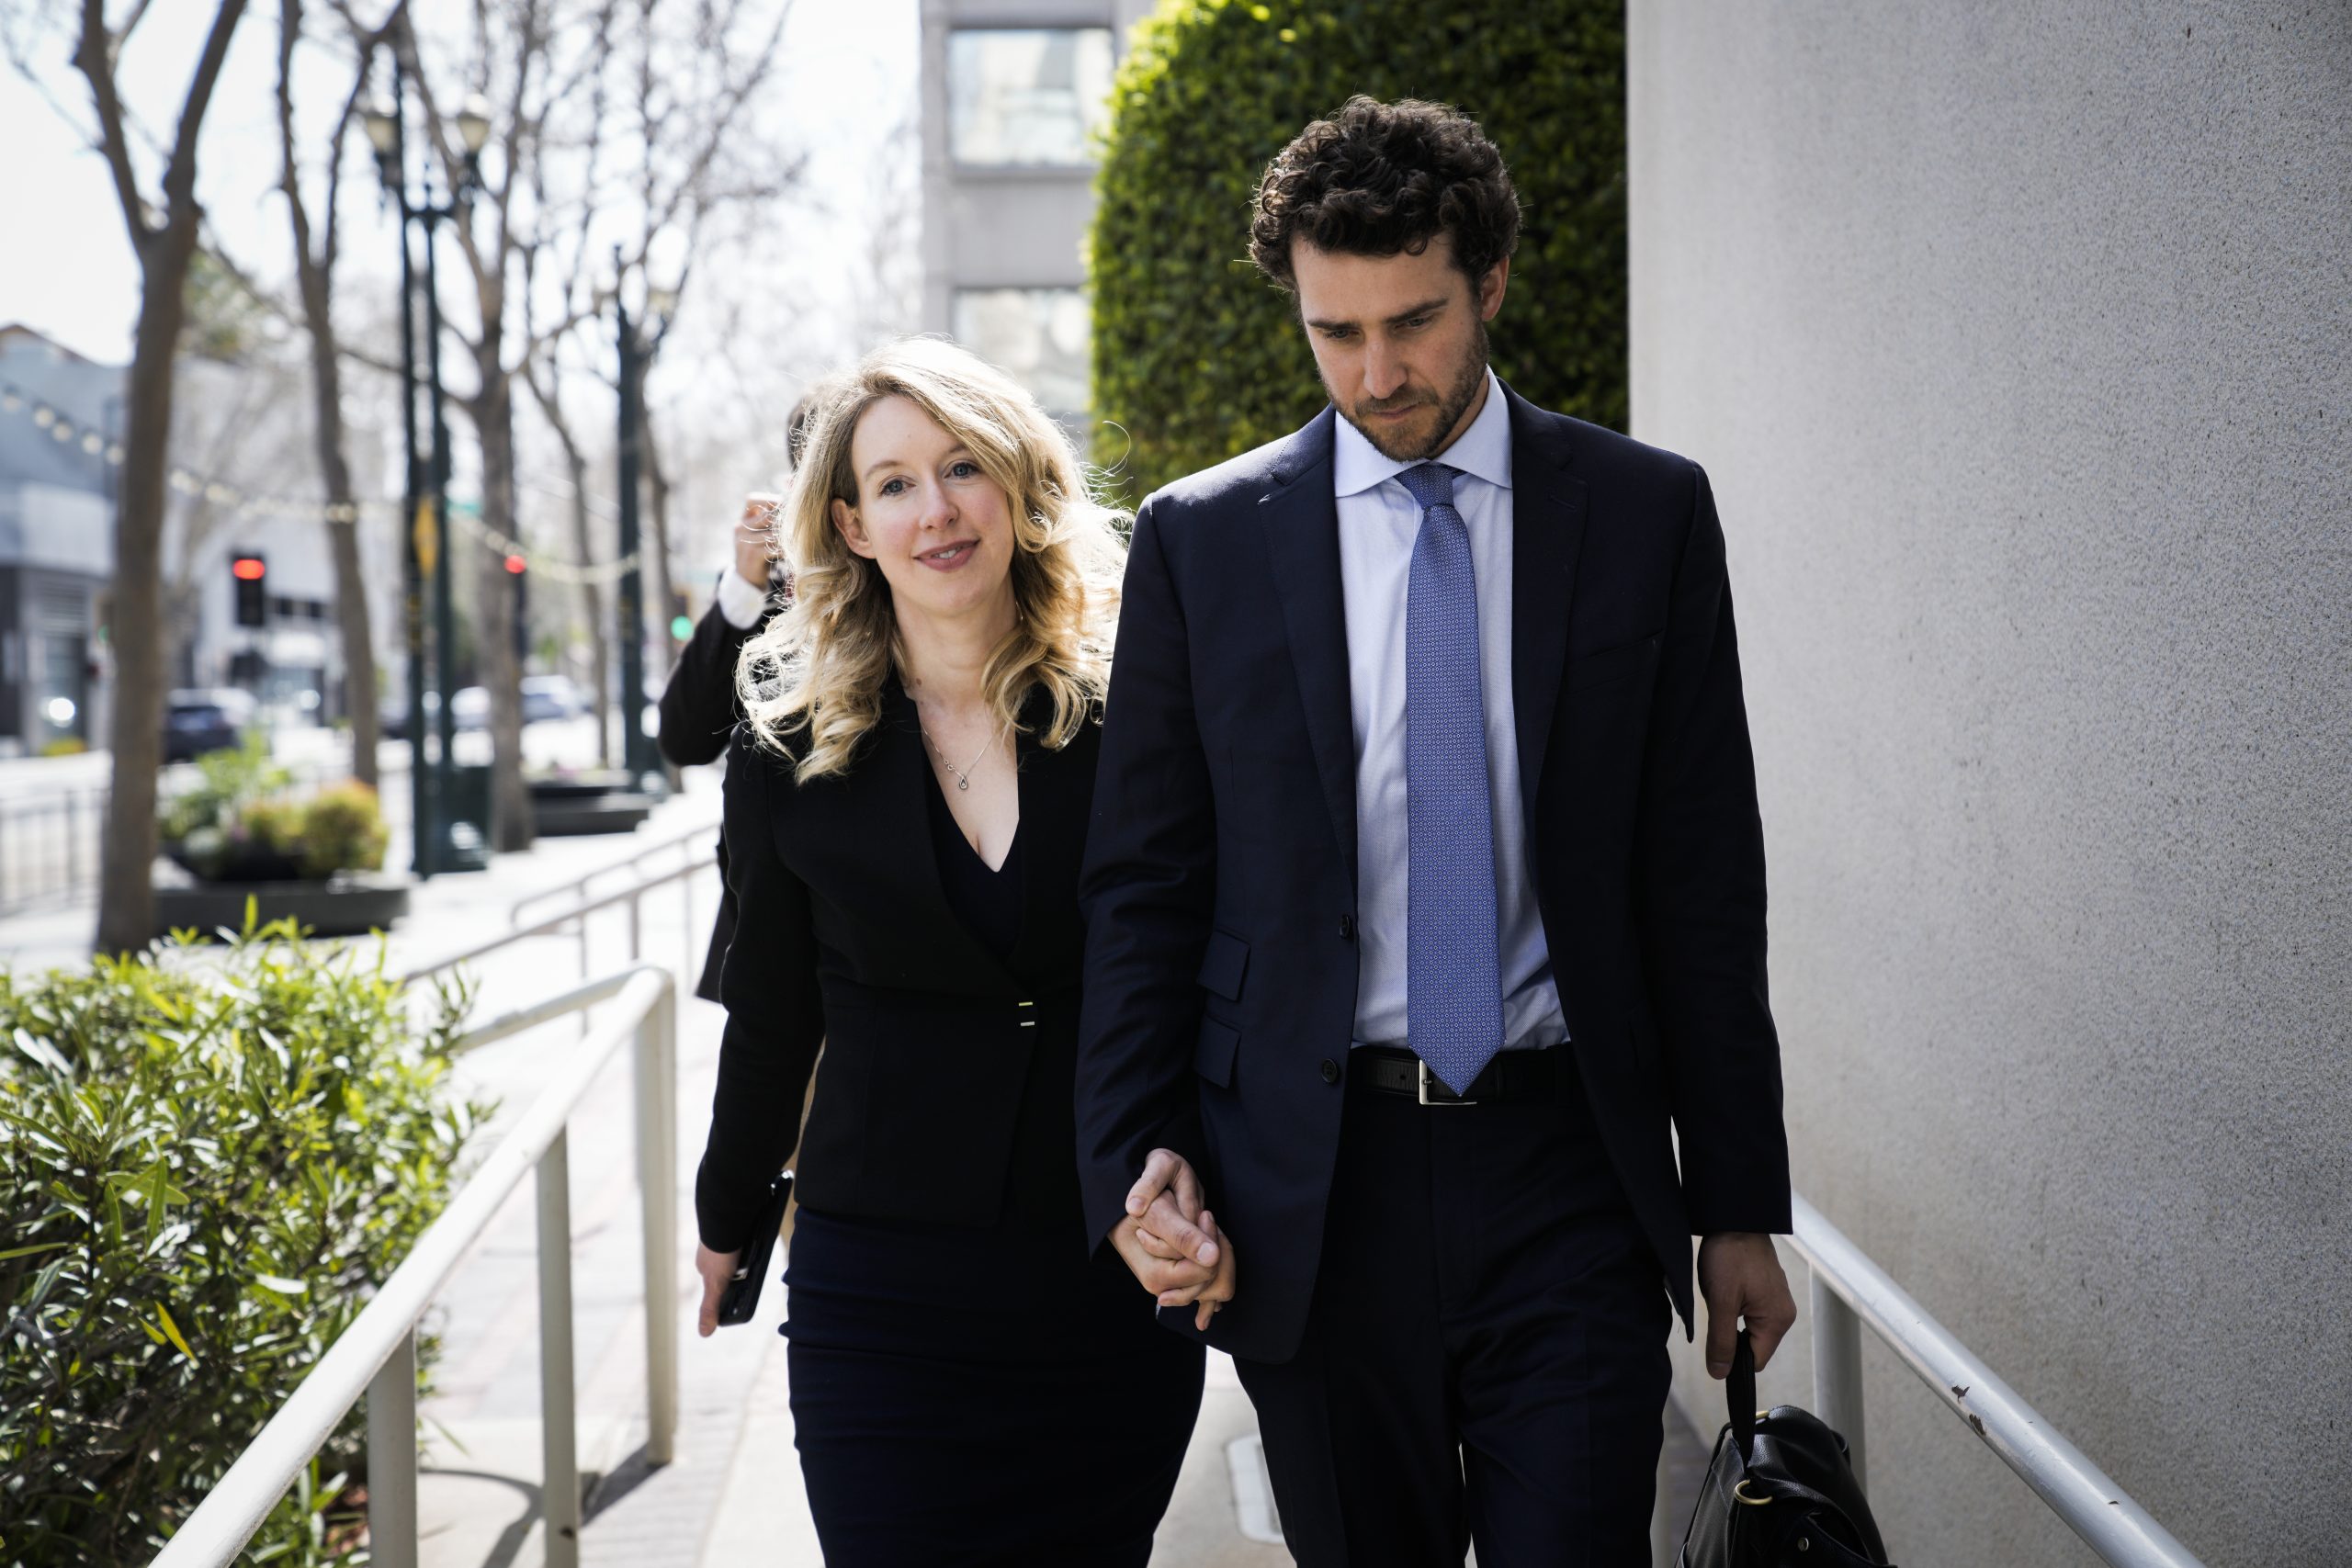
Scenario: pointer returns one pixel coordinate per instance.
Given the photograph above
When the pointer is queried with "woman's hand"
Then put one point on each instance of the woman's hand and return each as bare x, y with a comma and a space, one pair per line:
1172, 1277
717, 1269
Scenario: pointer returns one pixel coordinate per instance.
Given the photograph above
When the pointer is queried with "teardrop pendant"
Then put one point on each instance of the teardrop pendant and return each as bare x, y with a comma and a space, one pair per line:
963, 784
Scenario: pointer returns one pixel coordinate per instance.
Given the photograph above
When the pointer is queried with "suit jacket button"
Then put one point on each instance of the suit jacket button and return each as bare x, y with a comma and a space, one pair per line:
1330, 1070
1347, 927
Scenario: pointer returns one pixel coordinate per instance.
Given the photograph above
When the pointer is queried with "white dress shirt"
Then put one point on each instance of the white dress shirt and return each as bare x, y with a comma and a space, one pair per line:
1378, 522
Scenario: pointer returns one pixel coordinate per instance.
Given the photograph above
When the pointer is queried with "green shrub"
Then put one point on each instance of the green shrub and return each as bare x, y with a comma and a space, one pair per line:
204, 1174
236, 825
343, 829
227, 781
1199, 358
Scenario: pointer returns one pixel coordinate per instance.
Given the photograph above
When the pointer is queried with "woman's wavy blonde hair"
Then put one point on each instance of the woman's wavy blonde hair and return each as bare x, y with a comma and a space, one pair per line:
812, 679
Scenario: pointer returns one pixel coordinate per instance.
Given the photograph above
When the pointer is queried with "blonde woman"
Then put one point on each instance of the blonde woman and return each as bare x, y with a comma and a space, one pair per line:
973, 1382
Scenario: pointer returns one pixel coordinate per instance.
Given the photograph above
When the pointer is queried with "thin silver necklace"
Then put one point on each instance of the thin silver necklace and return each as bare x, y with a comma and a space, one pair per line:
964, 773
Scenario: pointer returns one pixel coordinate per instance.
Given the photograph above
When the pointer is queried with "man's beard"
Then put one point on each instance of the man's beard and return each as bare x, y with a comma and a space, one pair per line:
1400, 446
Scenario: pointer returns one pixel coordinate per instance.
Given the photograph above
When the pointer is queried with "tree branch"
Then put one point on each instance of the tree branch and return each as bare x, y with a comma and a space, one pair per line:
93, 57
179, 176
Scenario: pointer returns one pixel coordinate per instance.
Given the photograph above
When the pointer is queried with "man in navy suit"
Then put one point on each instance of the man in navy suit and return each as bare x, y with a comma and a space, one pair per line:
1425, 1017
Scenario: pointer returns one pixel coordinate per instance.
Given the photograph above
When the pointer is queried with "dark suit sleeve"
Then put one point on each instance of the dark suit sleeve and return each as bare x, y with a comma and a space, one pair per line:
1699, 890
1146, 893
698, 706
776, 1017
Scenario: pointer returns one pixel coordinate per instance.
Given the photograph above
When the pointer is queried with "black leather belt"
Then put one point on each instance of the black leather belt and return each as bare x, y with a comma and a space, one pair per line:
1512, 1075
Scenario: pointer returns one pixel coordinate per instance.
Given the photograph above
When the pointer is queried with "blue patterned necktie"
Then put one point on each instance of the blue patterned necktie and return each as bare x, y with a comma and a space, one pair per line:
1453, 1007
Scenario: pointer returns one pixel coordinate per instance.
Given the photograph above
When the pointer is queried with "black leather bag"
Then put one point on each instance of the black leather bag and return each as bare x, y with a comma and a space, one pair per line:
742, 1296
1780, 1493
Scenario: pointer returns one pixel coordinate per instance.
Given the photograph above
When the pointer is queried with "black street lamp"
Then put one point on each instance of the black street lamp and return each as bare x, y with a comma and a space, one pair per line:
640, 338
427, 551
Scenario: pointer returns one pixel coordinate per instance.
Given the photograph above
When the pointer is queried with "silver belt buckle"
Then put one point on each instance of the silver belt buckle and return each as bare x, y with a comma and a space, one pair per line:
1422, 1088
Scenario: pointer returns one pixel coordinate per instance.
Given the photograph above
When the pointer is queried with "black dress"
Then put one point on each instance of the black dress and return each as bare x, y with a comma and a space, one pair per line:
973, 1381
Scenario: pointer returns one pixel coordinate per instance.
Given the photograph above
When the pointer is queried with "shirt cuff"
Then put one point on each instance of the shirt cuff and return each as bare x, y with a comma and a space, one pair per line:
742, 602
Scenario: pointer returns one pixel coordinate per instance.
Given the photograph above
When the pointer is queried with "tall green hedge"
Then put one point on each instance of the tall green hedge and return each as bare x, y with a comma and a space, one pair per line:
1199, 358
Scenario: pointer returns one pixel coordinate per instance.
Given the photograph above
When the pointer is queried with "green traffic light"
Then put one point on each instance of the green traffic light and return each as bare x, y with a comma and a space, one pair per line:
681, 627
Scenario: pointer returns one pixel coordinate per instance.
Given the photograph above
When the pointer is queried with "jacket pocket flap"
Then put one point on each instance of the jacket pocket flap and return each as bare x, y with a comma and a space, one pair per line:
1609, 664
1224, 963
1213, 1057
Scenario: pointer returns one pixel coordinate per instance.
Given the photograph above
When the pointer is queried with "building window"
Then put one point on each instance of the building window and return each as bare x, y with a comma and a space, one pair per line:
1036, 335
1027, 96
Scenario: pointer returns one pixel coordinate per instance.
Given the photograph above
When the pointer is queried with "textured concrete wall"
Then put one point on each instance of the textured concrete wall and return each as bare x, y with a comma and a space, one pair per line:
2018, 342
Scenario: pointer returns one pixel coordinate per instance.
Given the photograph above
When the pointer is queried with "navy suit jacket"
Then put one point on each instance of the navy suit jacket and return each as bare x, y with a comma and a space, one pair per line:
1219, 888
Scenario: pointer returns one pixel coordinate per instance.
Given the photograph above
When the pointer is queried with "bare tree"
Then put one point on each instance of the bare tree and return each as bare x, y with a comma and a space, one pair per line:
543, 75
688, 113
164, 234
314, 261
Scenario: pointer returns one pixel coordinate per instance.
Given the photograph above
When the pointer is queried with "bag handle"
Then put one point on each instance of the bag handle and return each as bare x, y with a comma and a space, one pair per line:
1740, 1395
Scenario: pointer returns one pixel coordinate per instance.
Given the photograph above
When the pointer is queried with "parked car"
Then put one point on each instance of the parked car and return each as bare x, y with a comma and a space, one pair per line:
206, 719
551, 696
391, 715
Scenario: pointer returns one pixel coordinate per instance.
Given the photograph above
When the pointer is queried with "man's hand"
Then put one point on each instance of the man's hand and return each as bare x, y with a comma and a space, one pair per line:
1171, 1243
1166, 1198
1740, 1276
717, 1269
755, 541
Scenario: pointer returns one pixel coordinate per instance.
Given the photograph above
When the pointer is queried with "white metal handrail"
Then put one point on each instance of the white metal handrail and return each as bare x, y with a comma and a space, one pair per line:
574, 914
697, 836
376, 1354
1850, 1293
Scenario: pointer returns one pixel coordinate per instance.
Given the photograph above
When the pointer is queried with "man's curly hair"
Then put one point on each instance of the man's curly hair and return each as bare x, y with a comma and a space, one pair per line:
1380, 179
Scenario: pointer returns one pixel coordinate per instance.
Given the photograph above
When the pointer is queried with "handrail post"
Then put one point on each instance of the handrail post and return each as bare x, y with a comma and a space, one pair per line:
559, 1435
1838, 1368
657, 1174
637, 926
391, 1459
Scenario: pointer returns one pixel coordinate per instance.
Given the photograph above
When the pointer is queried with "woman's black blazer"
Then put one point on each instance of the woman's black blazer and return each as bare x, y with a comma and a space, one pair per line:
844, 937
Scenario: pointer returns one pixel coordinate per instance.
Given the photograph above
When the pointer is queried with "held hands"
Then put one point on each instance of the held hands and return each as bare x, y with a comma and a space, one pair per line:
1740, 1276
716, 1269
1170, 1243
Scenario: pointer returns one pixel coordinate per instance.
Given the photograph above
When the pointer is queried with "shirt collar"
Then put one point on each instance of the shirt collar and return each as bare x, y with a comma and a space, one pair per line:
1482, 451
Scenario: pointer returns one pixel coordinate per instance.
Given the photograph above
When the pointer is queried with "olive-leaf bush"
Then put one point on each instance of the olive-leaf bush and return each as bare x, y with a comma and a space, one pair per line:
1195, 356
205, 1171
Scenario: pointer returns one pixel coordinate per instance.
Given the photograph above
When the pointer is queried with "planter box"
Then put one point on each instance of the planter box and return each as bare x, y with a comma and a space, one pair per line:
588, 802
341, 907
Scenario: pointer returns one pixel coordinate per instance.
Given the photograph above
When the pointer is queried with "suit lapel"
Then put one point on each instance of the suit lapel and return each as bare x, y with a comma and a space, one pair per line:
1547, 533
1302, 534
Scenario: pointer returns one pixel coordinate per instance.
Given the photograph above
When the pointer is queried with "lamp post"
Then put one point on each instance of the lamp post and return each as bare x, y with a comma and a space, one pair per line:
427, 486
640, 338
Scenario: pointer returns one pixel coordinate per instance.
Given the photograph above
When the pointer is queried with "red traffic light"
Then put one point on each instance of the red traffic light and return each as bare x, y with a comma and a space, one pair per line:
247, 569
515, 564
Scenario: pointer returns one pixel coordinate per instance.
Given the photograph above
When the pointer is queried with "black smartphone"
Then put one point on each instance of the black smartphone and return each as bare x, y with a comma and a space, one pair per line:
742, 1296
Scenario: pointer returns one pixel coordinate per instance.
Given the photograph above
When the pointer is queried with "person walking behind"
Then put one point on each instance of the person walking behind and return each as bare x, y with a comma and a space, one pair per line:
699, 707
906, 812
1425, 904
